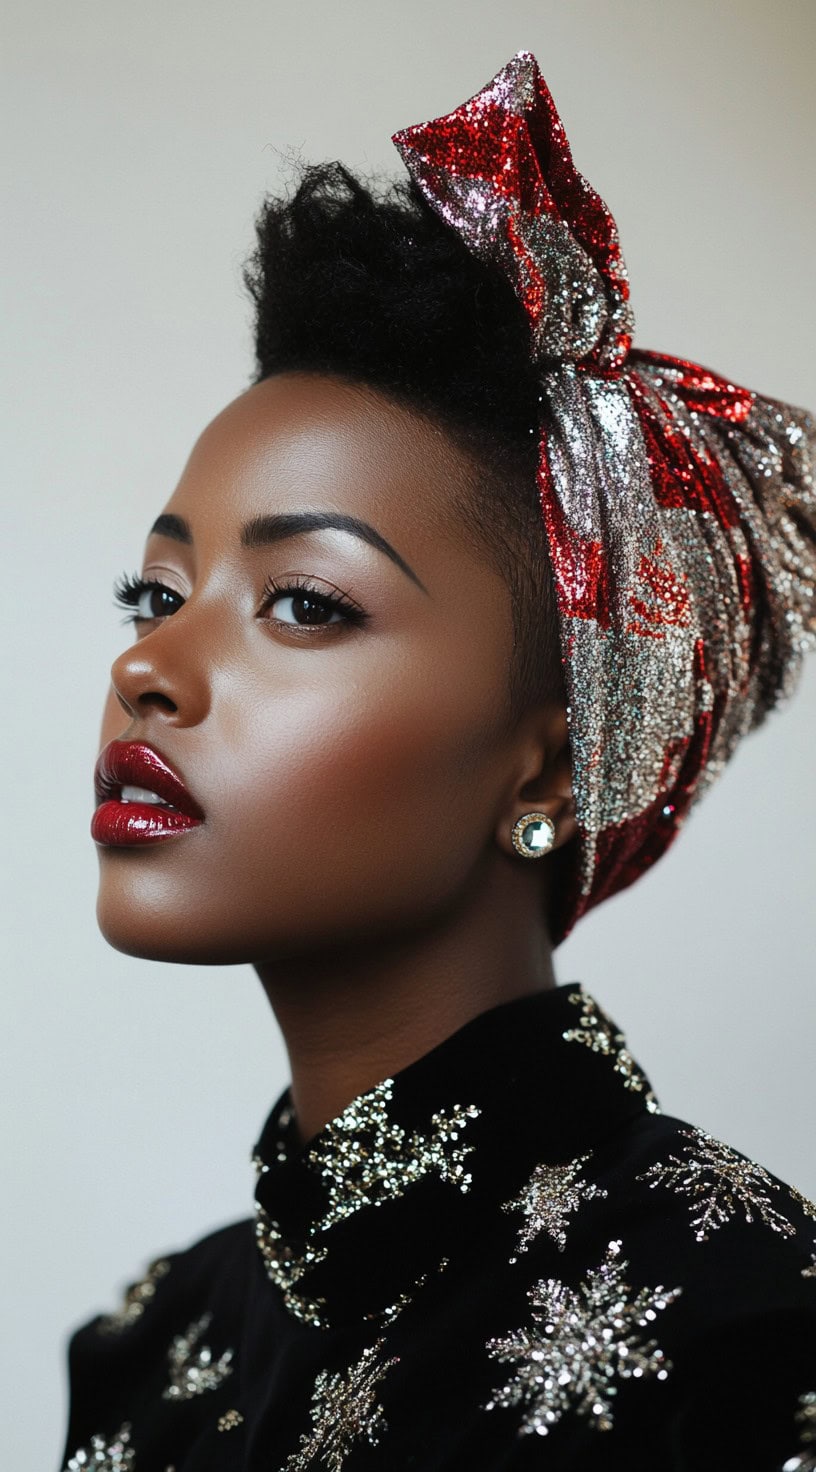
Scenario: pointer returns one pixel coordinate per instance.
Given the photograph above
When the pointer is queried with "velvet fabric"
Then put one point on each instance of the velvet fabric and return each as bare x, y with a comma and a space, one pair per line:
505, 1257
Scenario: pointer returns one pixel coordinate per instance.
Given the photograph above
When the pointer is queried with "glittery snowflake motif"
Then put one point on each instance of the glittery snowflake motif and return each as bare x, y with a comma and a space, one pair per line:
583, 1340
229, 1420
598, 1032
194, 1371
136, 1300
808, 1206
344, 1411
284, 1124
393, 1310
552, 1194
285, 1268
365, 1159
805, 1418
116, 1455
718, 1182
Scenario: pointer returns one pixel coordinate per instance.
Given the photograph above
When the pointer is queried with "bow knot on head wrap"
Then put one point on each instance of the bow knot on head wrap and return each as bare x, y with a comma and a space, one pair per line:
499, 169
679, 508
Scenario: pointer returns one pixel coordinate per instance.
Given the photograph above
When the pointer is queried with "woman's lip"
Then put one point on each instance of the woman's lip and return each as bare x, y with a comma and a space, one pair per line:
135, 764
128, 824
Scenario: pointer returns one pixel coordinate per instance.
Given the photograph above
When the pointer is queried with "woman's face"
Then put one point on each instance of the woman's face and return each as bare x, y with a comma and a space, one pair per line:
351, 761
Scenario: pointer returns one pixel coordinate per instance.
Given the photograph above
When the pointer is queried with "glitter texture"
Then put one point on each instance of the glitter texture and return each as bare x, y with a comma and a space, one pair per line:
547, 229
598, 1032
393, 1310
583, 1341
552, 1194
719, 1182
808, 1206
679, 507
344, 1411
116, 1455
810, 1272
285, 1268
806, 1421
194, 1371
229, 1420
365, 1159
137, 1298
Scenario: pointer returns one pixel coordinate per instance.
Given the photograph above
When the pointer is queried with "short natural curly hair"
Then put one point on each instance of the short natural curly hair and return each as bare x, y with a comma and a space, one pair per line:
366, 282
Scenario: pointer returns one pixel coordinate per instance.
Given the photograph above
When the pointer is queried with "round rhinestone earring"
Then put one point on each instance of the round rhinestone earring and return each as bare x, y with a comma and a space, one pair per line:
533, 835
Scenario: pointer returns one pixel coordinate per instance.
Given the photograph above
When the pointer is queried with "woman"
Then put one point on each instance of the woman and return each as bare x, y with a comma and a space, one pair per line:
452, 616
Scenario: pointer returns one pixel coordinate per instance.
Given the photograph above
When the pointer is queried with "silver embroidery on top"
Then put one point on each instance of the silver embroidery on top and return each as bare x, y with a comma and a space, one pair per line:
552, 1194
229, 1420
116, 1455
344, 1411
260, 1166
718, 1182
808, 1206
366, 1159
285, 1269
805, 1418
583, 1341
597, 1031
285, 1118
193, 1371
393, 1310
137, 1298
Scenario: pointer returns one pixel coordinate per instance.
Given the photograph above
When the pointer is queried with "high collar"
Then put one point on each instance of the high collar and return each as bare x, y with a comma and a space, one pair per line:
409, 1167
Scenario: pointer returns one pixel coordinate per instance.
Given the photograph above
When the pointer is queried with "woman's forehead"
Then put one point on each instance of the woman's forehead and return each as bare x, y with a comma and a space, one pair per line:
299, 438
299, 443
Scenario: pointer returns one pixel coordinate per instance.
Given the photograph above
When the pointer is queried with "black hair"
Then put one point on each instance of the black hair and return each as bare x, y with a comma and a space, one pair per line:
371, 285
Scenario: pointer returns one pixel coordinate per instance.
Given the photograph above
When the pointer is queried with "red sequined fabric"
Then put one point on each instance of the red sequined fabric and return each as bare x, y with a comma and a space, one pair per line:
679, 507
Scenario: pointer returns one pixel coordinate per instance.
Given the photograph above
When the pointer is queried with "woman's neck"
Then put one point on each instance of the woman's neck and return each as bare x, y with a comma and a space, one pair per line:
351, 1019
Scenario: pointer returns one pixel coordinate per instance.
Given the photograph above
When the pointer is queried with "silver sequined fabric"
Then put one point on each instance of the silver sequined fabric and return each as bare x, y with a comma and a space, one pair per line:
679, 507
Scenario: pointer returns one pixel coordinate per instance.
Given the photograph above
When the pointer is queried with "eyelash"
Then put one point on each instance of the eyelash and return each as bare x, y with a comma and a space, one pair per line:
128, 593
336, 601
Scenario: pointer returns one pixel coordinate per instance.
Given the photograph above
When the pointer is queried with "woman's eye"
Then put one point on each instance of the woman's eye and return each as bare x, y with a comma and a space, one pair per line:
302, 608
148, 598
158, 602
298, 604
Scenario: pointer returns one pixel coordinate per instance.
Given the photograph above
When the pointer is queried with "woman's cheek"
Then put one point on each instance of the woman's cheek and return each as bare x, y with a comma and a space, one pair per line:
360, 746
361, 789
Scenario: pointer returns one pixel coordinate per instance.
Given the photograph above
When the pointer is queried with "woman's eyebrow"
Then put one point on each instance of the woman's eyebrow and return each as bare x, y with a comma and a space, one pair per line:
262, 531
175, 527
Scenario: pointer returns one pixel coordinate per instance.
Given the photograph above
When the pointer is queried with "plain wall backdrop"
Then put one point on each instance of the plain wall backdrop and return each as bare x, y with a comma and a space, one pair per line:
138, 142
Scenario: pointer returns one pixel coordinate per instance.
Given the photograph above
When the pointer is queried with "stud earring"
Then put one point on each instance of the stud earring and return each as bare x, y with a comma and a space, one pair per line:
533, 835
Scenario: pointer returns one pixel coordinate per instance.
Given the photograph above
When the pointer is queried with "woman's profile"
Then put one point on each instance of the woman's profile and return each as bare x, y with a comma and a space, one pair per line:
452, 617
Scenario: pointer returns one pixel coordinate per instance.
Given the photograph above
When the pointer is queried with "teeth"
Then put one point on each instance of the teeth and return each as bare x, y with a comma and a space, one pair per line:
141, 794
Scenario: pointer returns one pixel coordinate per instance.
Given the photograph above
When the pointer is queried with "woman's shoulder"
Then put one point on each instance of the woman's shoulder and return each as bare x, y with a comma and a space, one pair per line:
164, 1279
125, 1355
707, 1192
667, 1259
688, 1211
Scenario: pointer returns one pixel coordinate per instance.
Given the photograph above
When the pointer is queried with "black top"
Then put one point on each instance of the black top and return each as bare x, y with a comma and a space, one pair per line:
504, 1257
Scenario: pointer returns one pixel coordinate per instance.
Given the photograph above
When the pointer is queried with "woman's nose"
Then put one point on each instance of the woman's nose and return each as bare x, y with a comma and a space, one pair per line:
163, 675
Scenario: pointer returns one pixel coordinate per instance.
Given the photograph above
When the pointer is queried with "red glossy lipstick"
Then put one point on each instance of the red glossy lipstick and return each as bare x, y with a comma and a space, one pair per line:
139, 797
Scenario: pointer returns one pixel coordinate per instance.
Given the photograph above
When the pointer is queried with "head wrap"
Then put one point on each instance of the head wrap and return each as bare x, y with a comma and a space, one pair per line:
679, 508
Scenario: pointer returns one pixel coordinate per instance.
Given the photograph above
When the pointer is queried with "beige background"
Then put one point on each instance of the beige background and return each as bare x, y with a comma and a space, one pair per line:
138, 141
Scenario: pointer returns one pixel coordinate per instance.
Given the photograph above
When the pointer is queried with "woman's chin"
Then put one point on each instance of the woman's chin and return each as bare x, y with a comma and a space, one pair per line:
142, 910
130, 934
138, 930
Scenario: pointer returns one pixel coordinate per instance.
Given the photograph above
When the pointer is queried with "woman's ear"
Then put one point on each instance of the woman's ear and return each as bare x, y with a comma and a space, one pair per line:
542, 777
